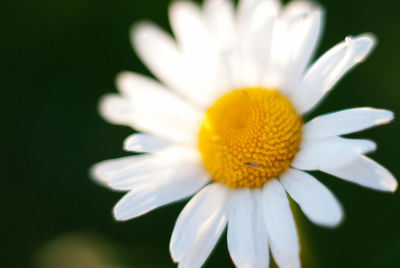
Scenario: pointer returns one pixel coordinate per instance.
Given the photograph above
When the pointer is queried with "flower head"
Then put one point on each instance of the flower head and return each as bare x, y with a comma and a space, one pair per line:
226, 125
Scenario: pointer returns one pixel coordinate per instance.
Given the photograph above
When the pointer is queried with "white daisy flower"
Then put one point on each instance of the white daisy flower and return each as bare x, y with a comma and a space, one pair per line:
225, 124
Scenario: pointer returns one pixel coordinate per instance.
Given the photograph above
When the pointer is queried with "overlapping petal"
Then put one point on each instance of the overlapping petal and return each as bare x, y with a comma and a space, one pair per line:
255, 22
145, 143
199, 226
315, 200
365, 172
295, 36
147, 106
345, 122
281, 229
247, 235
103, 171
317, 154
146, 197
329, 69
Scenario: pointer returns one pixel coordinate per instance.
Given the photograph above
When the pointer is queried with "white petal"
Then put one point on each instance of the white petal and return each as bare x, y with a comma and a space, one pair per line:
145, 143
188, 26
295, 36
330, 152
345, 122
148, 107
141, 89
159, 174
201, 60
160, 54
199, 226
315, 200
280, 225
141, 172
245, 10
116, 110
103, 171
255, 20
328, 69
168, 165
164, 123
262, 25
220, 21
254, 13
246, 70
147, 197
219, 15
247, 237
365, 172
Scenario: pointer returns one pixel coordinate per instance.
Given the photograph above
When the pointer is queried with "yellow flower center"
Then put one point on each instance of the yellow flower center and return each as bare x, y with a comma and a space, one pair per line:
249, 136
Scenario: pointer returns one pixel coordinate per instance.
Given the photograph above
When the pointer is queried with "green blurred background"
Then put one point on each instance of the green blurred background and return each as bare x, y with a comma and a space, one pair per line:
60, 56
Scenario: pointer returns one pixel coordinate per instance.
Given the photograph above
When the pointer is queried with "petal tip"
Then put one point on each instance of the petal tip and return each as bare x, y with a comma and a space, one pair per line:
95, 176
369, 37
139, 31
104, 105
368, 147
362, 45
122, 80
123, 75
114, 109
118, 214
387, 117
178, 6
392, 186
139, 27
131, 144
337, 222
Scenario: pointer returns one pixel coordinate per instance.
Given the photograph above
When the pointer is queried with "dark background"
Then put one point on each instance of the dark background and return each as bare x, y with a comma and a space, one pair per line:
59, 56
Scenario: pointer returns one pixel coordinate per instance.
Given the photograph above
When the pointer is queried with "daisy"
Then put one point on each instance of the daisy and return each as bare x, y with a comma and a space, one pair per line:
225, 124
